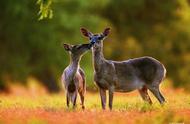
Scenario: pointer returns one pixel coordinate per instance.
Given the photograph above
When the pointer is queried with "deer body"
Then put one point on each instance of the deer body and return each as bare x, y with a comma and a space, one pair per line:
73, 76
123, 76
128, 75
73, 79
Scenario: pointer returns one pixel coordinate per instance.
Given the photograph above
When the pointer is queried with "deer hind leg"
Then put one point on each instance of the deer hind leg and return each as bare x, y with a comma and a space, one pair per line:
82, 99
156, 92
103, 98
162, 97
73, 98
144, 94
67, 99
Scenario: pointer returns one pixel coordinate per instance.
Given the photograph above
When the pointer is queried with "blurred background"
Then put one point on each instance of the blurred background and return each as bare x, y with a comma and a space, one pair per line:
30, 45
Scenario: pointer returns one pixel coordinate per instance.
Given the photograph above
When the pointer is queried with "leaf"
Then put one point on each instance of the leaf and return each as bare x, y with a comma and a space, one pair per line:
45, 10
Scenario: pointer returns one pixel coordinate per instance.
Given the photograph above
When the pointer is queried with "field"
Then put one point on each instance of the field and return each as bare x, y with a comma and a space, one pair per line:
37, 107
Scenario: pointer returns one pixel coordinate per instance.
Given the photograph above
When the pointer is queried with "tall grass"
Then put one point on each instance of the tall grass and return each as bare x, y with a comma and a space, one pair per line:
127, 108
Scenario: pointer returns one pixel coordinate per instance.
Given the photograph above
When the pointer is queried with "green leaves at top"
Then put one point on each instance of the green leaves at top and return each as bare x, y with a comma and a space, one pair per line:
45, 9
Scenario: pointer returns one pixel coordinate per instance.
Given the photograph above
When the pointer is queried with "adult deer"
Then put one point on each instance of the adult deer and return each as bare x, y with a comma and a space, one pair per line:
123, 76
73, 76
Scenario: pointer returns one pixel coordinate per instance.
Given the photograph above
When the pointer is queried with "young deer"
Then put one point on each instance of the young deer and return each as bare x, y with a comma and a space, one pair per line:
73, 76
123, 76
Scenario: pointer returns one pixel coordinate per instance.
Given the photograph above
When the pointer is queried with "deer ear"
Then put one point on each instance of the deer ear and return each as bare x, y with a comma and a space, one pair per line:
106, 31
85, 32
67, 47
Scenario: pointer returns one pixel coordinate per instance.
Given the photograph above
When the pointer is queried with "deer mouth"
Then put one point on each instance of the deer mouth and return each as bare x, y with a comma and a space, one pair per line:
90, 46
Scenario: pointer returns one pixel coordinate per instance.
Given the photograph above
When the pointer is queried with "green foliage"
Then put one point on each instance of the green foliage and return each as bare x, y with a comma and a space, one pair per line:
45, 9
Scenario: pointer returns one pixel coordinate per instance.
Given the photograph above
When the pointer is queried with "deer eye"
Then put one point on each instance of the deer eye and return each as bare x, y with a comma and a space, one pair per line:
99, 38
77, 47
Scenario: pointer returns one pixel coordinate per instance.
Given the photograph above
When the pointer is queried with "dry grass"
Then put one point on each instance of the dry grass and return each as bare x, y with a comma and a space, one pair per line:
128, 108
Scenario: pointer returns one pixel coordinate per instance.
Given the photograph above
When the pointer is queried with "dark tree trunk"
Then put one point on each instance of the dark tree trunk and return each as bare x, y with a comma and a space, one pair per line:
49, 81
3, 86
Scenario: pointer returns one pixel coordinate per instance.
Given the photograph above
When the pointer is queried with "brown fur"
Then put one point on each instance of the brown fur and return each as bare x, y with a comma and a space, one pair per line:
73, 76
123, 76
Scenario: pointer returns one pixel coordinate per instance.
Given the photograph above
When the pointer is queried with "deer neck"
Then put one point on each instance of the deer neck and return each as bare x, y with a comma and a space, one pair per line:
98, 57
73, 66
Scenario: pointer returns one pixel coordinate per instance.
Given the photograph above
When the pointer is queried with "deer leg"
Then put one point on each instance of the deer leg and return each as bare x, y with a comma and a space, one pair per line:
162, 97
156, 92
144, 94
103, 98
111, 91
82, 99
74, 99
67, 100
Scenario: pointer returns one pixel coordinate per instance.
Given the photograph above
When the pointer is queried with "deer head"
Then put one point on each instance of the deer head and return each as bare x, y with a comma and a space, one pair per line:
95, 39
77, 51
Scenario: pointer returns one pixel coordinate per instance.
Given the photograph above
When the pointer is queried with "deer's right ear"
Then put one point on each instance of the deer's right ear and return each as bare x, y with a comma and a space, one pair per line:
85, 32
67, 47
106, 31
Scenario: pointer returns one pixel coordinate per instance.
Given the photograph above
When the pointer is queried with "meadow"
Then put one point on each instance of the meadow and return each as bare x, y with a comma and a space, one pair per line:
31, 34
35, 106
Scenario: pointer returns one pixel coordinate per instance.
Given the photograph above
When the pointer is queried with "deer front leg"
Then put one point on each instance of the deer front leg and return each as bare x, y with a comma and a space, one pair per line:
103, 98
111, 92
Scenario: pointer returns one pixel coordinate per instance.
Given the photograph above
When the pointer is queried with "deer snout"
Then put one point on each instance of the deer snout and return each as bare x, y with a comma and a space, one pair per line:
90, 46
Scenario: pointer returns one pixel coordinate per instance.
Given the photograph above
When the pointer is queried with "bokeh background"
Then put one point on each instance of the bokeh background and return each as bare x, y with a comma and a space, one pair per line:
30, 44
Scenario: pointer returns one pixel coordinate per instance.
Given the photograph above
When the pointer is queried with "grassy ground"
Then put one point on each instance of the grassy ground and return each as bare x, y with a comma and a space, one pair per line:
128, 108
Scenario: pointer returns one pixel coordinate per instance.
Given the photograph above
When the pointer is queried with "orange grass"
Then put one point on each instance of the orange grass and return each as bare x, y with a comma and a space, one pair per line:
25, 107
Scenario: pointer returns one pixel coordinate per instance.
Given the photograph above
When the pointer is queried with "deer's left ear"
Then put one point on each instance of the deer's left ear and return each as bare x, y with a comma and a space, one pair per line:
85, 32
67, 47
106, 31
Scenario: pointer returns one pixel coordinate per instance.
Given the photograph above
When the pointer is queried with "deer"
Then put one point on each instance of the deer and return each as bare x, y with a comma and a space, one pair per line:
142, 74
73, 76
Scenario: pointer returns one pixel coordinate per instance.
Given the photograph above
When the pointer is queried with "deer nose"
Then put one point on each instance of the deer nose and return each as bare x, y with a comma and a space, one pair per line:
93, 41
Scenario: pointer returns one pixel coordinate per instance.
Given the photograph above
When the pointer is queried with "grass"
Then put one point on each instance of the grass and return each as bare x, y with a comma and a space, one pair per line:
128, 108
